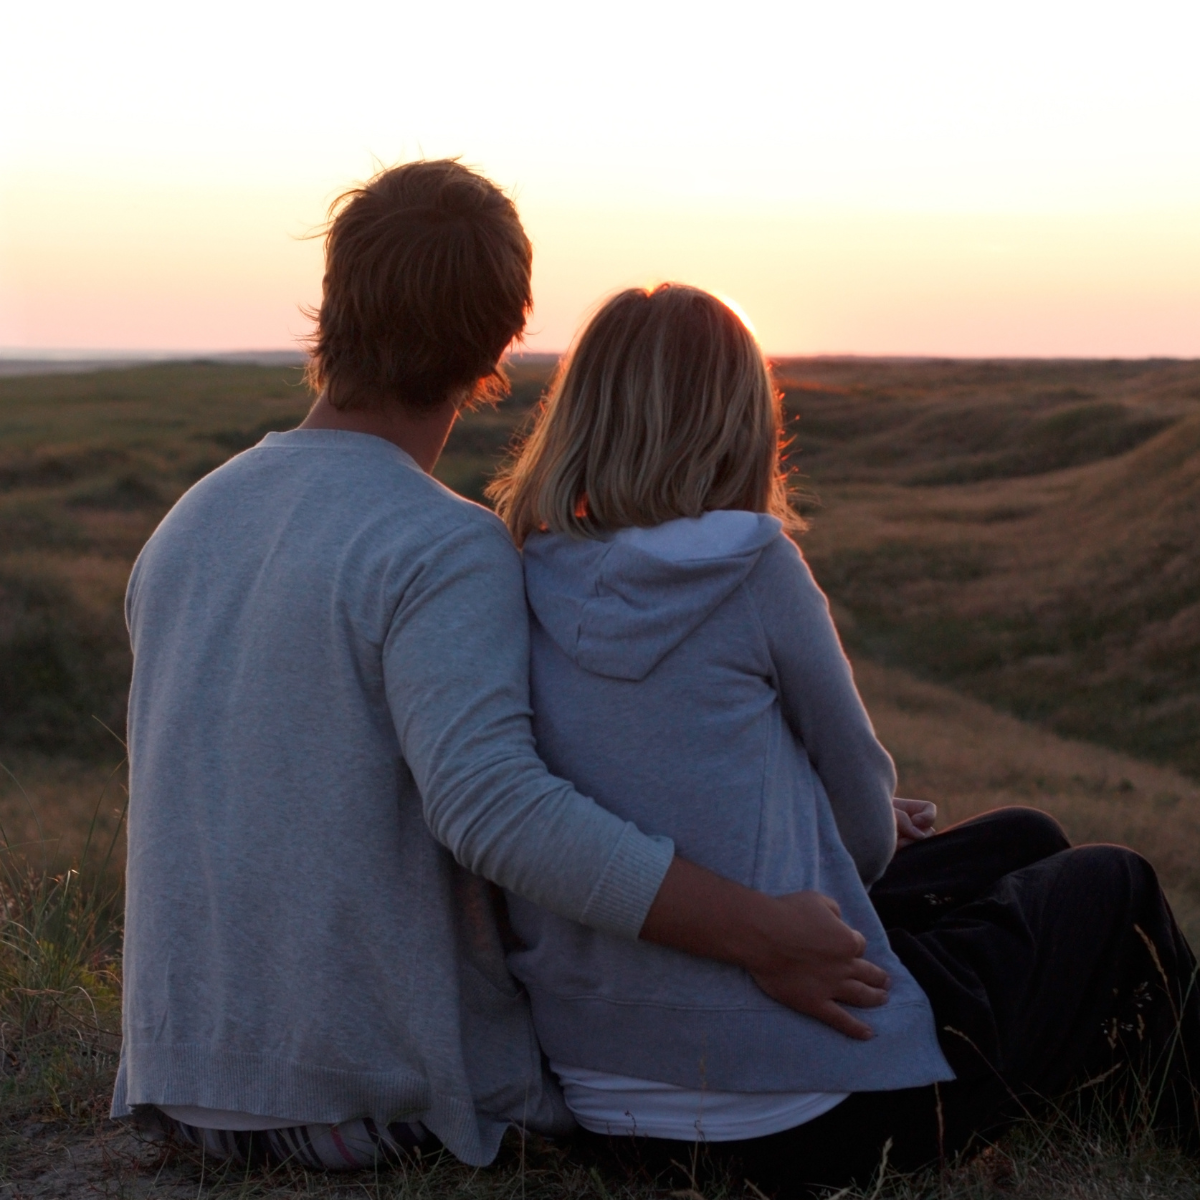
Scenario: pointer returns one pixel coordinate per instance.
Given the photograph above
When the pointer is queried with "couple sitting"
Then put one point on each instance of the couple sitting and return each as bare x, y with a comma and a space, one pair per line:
346, 726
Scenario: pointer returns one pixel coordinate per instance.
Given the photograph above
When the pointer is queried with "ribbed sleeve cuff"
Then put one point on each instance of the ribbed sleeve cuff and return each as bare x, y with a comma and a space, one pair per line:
624, 892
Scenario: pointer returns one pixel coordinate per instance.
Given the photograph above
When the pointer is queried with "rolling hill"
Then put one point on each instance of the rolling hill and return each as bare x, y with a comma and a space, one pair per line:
1029, 533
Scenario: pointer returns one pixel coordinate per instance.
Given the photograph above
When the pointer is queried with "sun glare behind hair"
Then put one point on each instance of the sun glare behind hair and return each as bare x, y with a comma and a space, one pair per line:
737, 310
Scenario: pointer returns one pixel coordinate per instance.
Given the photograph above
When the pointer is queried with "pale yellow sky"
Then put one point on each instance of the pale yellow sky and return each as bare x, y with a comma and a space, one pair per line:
1018, 178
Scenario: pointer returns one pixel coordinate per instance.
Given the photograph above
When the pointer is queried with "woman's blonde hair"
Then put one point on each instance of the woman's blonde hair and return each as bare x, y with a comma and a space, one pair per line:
664, 408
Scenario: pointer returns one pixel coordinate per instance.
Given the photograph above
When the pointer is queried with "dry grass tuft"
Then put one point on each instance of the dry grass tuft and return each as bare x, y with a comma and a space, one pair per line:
59, 998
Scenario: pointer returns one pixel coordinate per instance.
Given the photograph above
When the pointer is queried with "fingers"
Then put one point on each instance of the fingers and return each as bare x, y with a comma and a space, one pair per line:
833, 936
869, 974
838, 1018
922, 812
821, 966
843, 941
907, 829
860, 995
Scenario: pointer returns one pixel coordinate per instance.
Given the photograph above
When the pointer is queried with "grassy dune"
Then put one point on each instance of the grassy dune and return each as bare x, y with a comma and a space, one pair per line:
1011, 554
1024, 531
88, 465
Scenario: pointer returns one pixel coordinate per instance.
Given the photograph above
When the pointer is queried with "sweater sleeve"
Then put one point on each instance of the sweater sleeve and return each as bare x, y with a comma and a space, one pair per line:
456, 669
822, 706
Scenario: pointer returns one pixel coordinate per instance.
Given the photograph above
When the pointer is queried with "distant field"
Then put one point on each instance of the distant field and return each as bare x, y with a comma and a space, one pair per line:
1022, 532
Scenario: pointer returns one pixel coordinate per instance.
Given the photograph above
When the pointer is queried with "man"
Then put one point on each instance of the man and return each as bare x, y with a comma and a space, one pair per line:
330, 752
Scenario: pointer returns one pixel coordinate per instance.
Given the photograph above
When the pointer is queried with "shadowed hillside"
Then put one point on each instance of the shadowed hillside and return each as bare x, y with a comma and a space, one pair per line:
1027, 532
88, 465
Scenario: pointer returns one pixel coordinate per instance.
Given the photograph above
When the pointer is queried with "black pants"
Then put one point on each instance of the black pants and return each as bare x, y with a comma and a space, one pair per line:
1047, 967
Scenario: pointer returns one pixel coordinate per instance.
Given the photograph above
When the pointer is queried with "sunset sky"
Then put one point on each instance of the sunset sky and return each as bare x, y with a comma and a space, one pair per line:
877, 178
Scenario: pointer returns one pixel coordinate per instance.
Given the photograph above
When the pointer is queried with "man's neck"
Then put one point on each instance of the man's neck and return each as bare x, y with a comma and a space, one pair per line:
420, 436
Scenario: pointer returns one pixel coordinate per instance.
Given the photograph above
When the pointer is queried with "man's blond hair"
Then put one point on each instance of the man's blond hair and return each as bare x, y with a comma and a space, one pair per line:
664, 408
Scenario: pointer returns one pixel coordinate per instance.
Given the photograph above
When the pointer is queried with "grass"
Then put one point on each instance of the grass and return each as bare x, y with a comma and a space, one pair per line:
1022, 531
88, 466
59, 984
1057, 1162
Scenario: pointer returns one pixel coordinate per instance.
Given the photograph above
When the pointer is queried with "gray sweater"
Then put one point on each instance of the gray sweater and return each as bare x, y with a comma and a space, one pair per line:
329, 741
690, 678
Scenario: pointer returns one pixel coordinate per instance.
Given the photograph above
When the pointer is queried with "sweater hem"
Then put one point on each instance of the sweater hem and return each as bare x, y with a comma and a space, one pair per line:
742, 1049
261, 1084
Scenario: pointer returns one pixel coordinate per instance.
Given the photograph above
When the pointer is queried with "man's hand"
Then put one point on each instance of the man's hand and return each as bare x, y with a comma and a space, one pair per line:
814, 964
914, 820
795, 947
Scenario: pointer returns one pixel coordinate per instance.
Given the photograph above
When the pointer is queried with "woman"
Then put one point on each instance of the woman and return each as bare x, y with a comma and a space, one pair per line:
681, 646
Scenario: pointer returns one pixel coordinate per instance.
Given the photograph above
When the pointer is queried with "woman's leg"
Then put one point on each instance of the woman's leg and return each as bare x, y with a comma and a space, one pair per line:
1068, 970
929, 879
1063, 971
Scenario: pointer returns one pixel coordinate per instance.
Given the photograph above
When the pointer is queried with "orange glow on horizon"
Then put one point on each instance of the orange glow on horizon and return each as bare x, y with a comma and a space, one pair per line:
923, 179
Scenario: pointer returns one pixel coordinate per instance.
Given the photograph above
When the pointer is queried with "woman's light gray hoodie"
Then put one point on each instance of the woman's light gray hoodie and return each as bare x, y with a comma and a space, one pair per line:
689, 678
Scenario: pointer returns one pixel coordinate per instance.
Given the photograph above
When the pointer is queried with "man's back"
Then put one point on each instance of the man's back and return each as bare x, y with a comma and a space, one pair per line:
329, 663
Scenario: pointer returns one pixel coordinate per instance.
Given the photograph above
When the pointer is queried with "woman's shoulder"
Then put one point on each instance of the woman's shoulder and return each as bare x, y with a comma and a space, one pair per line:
782, 584
782, 553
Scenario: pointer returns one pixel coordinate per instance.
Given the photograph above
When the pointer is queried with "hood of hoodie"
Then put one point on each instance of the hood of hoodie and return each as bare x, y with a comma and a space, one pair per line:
618, 606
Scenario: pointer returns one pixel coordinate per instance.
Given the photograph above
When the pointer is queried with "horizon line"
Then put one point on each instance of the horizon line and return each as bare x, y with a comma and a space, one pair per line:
269, 356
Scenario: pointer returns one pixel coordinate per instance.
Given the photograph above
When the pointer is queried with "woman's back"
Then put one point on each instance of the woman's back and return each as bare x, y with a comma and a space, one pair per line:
673, 668
641, 635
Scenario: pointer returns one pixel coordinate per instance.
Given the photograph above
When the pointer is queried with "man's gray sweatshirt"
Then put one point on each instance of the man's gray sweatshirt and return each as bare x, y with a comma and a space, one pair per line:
329, 743
690, 678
